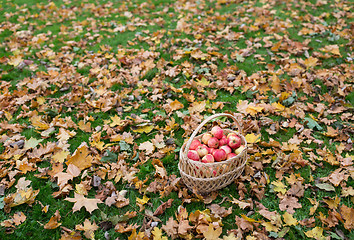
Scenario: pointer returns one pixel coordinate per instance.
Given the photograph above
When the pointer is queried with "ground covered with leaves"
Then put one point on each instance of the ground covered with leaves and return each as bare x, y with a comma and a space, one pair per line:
98, 97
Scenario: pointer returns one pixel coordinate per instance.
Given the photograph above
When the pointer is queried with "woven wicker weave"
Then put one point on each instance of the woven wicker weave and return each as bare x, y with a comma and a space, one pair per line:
208, 177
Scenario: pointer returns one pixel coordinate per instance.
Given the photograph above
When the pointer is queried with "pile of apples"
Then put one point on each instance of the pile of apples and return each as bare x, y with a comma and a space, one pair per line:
215, 146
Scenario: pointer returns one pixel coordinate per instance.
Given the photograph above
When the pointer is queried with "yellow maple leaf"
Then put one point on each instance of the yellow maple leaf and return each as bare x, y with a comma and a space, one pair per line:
60, 156
15, 60
316, 233
176, 105
278, 107
116, 121
146, 128
212, 234
203, 82
38, 123
143, 200
311, 62
88, 228
253, 110
252, 138
81, 157
270, 227
289, 219
157, 233
279, 186
249, 219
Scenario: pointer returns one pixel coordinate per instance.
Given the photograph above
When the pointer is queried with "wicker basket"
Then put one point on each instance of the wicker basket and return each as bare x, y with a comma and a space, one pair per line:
208, 177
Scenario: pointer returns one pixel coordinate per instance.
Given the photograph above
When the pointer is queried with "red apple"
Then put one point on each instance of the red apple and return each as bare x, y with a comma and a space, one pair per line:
195, 143
223, 141
219, 155
208, 158
234, 141
206, 137
193, 155
231, 134
239, 149
227, 149
202, 150
213, 142
212, 150
217, 132
231, 155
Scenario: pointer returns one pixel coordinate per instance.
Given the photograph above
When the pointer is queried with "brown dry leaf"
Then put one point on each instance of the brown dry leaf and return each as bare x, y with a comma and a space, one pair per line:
63, 178
80, 201
161, 209
241, 204
147, 146
53, 222
81, 157
288, 204
17, 219
244, 224
347, 214
89, 229
171, 228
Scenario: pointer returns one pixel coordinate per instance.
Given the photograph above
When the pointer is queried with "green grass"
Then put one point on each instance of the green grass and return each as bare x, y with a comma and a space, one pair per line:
87, 32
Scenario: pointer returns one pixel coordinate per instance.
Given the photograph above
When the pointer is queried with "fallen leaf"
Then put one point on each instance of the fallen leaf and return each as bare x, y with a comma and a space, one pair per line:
81, 157
211, 233
316, 233
53, 221
80, 201
88, 228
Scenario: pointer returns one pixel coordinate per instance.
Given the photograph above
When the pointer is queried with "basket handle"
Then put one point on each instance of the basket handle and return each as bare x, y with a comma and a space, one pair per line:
206, 121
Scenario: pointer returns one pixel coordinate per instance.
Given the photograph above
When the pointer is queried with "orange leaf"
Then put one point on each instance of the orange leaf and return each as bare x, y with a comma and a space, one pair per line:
81, 157
53, 222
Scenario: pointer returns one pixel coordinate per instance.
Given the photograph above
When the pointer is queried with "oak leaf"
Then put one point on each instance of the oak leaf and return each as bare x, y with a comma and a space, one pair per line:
80, 201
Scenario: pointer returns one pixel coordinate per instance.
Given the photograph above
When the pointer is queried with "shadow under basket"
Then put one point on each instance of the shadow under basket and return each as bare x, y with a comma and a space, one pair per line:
208, 177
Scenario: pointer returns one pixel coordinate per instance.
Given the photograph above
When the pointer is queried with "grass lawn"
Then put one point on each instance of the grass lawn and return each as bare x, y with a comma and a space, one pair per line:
98, 97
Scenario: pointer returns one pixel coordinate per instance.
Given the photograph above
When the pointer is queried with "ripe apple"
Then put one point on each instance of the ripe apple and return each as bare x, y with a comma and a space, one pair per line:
223, 141
217, 132
213, 142
195, 143
193, 155
239, 149
226, 148
206, 137
234, 141
231, 155
208, 158
202, 150
219, 155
